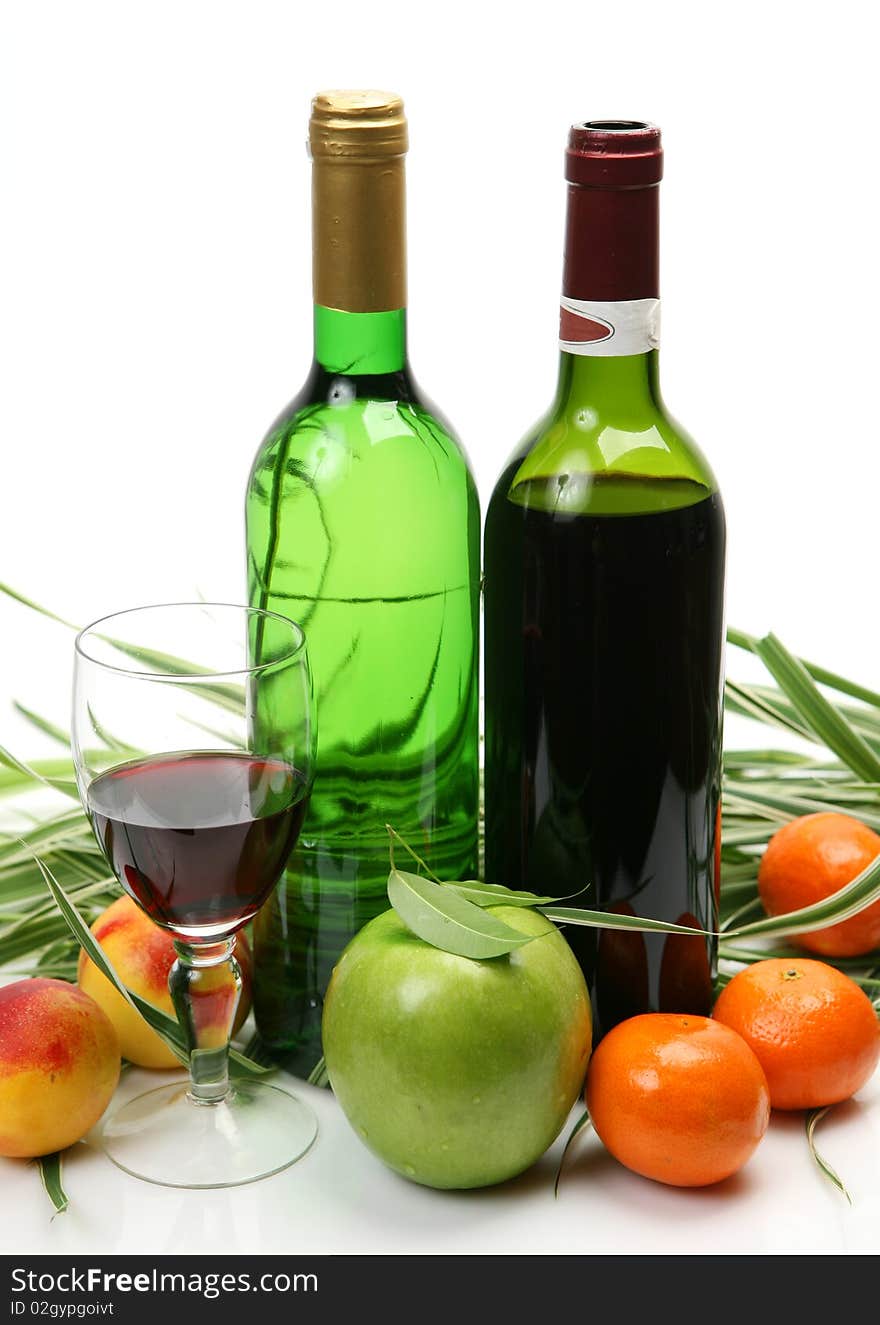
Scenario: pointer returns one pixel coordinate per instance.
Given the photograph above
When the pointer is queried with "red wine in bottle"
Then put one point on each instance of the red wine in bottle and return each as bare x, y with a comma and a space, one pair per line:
604, 590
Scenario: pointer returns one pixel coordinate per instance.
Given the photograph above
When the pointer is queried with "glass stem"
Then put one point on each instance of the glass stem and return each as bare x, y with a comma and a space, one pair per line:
205, 986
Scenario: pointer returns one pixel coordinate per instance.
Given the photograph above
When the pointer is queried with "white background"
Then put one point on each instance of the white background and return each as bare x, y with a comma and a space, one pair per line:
155, 312
155, 298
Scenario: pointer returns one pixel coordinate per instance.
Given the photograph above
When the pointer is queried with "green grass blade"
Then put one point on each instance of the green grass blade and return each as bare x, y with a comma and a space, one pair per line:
229, 696
23, 945
318, 1075
113, 743
233, 740
584, 1121
495, 894
42, 724
13, 780
736, 761
855, 896
98, 888
732, 876
820, 674
570, 915
812, 1121
50, 1175
824, 720
225, 694
735, 952
68, 786
745, 701
739, 914
790, 807
756, 835
35, 607
256, 1052
71, 829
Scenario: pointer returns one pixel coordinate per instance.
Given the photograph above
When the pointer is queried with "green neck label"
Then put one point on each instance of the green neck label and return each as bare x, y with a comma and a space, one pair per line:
360, 343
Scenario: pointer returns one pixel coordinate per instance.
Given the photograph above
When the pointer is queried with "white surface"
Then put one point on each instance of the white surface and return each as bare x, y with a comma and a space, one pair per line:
340, 1199
155, 269
154, 262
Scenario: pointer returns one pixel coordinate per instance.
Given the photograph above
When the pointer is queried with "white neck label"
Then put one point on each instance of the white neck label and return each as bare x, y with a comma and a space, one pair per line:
609, 328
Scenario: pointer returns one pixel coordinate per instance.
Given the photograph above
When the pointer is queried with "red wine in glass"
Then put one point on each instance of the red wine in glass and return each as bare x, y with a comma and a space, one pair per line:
199, 838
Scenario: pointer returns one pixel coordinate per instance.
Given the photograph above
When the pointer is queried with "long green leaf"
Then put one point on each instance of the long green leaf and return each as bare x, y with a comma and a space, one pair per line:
820, 674
160, 1022
570, 915
495, 894
584, 1121
35, 607
225, 694
820, 715
68, 786
745, 701
812, 1121
14, 781
99, 888
394, 836
861, 892
792, 807
50, 1175
442, 918
318, 1075
737, 760
756, 835
69, 828
112, 743
43, 724
737, 915
735, 952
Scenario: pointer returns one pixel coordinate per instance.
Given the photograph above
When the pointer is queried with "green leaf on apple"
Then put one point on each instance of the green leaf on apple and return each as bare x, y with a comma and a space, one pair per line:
437, 914
495, 894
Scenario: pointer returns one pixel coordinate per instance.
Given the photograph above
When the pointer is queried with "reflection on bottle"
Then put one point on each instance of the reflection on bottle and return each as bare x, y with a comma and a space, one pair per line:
621, 972
685, 972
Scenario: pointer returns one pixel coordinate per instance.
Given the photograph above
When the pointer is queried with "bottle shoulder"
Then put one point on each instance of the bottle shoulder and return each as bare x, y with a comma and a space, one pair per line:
583, 457
369, 421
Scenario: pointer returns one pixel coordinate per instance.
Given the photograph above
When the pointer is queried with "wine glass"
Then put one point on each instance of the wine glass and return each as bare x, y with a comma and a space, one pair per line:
194, 746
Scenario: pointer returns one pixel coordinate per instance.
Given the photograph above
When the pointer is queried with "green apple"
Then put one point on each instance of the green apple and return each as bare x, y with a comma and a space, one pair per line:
455, 1072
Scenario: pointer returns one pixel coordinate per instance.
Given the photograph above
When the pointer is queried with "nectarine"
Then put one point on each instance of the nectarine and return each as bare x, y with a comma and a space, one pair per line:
59, 1065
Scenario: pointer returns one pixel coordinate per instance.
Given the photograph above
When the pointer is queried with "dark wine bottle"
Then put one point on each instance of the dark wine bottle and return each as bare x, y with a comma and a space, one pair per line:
604, 598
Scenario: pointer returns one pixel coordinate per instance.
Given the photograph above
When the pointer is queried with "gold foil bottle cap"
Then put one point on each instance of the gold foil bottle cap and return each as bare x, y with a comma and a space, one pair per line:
348, 125
358, 142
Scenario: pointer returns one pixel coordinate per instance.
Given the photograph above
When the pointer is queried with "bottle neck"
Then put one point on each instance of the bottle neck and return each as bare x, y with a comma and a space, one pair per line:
359, 263
360, 344
610, 307
359, 233
622, 388
612, 243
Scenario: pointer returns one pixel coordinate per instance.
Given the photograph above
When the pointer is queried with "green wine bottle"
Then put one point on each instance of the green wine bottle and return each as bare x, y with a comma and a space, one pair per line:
363, 525
604, 600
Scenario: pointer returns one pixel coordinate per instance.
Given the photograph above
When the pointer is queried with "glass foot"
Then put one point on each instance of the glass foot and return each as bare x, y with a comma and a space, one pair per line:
166, 1138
